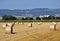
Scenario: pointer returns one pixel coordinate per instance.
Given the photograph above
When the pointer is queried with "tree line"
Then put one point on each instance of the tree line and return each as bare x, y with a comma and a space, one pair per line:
9, 17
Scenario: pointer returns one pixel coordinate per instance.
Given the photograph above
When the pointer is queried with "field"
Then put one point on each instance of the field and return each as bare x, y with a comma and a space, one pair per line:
22, 32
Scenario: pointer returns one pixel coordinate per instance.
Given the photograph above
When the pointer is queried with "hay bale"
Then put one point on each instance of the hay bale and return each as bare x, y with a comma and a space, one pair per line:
39, 23
9, 28
30, 24
9, 24
4, 25
21, 23
54, 23
53, 27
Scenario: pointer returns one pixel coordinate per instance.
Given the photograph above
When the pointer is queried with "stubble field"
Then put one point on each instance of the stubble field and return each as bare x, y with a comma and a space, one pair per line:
38, 32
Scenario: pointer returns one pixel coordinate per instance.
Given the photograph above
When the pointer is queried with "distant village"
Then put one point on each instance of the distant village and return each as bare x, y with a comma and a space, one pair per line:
27, 17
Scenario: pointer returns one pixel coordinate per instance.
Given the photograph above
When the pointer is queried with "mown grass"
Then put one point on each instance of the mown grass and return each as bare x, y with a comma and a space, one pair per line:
29, 20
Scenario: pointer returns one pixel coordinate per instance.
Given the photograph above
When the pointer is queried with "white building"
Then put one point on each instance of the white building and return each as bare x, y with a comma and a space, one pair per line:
0, 18
44, 16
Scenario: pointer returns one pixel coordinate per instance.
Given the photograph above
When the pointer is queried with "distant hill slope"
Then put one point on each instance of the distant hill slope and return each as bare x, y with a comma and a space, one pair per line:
31, 12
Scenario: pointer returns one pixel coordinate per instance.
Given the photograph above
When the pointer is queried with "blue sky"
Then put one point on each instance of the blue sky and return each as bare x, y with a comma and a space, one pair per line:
29, 4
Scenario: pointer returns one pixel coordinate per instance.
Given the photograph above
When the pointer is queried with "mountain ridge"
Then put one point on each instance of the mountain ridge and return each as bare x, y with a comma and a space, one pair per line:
31, 12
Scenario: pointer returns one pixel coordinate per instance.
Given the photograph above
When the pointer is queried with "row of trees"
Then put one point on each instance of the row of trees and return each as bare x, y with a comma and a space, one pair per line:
8, 17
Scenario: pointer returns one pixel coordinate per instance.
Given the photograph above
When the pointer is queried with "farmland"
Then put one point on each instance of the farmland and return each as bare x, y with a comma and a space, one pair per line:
38, 32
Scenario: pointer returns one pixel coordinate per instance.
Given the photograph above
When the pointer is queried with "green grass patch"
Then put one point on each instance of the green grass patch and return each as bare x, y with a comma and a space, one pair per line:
29, 20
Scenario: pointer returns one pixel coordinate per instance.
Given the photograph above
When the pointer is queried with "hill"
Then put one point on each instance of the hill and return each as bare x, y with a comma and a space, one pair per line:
29, 12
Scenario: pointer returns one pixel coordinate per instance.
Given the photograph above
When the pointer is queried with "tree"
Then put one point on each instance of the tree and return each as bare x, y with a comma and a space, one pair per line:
31, 18
27, 18
8, 17
51, 17
38, 18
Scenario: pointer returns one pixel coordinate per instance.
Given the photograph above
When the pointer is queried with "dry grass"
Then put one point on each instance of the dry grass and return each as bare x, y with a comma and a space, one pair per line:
37, 32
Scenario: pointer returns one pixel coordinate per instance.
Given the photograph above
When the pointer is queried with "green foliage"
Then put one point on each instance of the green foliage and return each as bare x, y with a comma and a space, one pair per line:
8, 17
27, 18
37, 18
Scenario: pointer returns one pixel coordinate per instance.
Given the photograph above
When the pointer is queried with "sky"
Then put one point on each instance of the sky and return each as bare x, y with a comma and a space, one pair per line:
29, 4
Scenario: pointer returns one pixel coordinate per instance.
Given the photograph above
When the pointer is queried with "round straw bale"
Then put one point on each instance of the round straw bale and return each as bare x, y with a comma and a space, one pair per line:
4, 26
53, 27
30, 24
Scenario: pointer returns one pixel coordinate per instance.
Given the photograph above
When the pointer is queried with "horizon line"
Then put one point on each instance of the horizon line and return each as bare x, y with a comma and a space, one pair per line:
27, 8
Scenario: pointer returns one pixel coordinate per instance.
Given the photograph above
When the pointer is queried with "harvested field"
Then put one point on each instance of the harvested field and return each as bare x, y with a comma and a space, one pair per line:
22, 32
